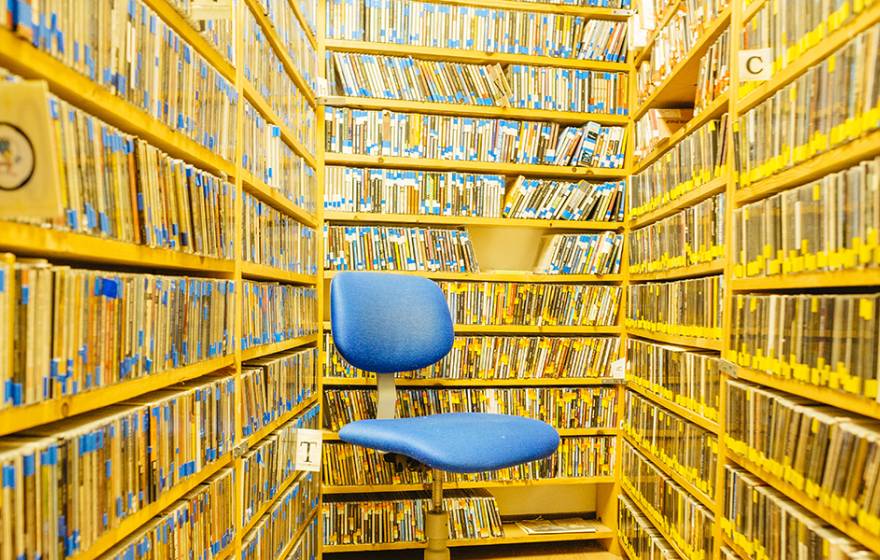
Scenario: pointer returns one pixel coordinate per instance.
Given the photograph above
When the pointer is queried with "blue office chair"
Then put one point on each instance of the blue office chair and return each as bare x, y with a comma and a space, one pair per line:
387, 323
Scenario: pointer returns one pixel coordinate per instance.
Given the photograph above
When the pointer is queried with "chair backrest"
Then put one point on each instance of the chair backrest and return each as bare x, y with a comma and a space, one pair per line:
387, 323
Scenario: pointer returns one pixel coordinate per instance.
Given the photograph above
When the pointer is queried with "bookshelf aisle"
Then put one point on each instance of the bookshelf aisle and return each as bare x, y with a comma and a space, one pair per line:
196, 211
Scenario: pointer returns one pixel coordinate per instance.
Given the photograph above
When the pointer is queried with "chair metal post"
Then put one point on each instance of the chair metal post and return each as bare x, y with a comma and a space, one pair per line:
437, 521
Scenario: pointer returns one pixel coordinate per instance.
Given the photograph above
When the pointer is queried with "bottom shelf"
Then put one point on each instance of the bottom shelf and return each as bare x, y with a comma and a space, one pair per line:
512, 535
536, 551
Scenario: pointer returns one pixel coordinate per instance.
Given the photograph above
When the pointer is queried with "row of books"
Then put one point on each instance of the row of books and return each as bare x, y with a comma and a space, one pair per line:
406, 191
790, 30
691, 236
385, 133
692, 162
273, 312
398, 248
68, 484
687, 522
576, 457
275, 385
309, 10
656, 126
451, 26
689, 308
501, 357
829, 105
289, 515
275, 239
267, 156
548, 199
651, 13
829, 224
682, 446
409, 79
580, 253
117, 186
688, 378
199, 525
74, 330
713, 78
515, 303
215, 25
562, 407
672, 43
294, 39
306, 548
637, 536
400, 517
271, 464
829, 454
764, 523
824, 340
176, 86
263, 69
563, 89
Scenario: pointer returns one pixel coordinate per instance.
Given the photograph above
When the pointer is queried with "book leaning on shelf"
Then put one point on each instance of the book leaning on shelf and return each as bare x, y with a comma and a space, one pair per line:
562, 407
580, 456
177, 86
656, 126
384, 133
501, 357
830, 105
749, 504
572, 253
830, 455
117, 186
713, 78
519, 303
399, 517
75, 329
398, 248
450, 26
830, 224
68, 484
547, 199
406, 191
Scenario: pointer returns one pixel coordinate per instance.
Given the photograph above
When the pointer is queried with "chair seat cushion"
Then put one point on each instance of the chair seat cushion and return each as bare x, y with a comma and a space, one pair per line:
459, 442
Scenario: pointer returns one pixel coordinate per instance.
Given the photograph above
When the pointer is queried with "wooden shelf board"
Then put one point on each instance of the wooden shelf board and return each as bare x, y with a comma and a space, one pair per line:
268, 504
706, 501
513, 535
845, 401
830, 279
310, 35
679, 87
330, 435
260, 103
470, 56
728, 542
812, 57
275, 199
750, 8
81, 248
677, 409
510, 169
476, 111
715, 109
845, 524
267, 349
527, 329
699, 194
266, 430
692, 271
687, 341
24, 59
130, 524
539, 382
270, 273
281, 51
285, 552
833, 160
416, 219
499, 276
21, 418
554, 482
181, 26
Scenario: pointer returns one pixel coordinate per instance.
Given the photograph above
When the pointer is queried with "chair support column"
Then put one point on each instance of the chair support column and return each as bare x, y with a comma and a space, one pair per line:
436, 521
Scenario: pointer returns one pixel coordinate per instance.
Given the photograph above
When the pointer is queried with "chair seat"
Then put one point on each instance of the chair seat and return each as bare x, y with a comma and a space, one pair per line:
458, 442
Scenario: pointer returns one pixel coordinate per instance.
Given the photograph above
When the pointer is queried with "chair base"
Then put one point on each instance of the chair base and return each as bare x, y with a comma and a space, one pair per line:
437, 531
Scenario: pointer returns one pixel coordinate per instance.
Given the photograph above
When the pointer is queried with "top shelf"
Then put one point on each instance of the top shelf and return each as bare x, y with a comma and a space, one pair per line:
546, 8
470, 56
